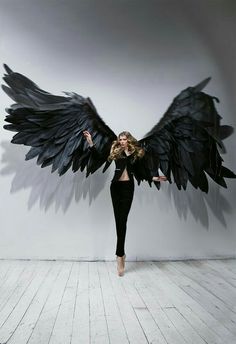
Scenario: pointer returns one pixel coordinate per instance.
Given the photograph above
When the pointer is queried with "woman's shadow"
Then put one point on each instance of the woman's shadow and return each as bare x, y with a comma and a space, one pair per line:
49, 188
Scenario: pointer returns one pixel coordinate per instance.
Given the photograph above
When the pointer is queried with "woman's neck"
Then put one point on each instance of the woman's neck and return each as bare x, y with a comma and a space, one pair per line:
126, 151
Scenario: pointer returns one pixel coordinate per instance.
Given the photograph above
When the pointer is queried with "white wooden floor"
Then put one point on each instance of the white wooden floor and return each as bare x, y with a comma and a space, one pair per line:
174, 302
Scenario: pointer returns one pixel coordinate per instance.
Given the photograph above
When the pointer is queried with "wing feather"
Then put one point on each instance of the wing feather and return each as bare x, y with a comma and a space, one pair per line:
185, 141
53, 126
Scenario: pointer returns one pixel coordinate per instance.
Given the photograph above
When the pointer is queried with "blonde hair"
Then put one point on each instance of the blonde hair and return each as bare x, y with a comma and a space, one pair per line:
132, 145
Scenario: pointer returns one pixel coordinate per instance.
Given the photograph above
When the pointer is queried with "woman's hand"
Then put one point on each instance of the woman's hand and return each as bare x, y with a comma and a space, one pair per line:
159, 179
88, 137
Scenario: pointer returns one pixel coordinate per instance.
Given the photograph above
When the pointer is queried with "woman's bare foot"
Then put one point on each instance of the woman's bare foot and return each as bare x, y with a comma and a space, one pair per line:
124, 256
120, 265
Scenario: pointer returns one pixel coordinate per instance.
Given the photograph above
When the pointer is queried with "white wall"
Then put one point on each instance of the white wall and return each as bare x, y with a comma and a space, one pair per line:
132, 58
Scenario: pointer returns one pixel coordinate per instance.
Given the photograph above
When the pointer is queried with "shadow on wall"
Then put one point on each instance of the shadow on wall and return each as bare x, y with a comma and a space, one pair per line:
46, 187
198, 203
49, 188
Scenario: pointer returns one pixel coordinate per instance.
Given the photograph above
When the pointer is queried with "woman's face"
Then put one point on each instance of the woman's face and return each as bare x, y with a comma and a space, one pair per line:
123, 141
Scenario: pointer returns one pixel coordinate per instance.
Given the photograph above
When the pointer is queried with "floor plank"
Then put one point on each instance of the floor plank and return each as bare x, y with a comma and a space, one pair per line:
167, 302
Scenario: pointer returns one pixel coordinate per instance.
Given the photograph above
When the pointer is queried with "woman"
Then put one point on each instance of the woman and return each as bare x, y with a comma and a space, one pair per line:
183, 143
125, 152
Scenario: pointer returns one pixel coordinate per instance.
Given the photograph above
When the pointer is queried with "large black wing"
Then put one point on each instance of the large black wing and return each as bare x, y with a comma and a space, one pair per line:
185, 142
53, 126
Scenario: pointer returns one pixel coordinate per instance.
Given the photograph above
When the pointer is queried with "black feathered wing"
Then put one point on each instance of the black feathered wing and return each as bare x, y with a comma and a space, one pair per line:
53, 126
184, 143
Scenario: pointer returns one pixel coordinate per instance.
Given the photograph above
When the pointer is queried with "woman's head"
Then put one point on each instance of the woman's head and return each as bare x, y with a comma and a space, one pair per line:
125, 141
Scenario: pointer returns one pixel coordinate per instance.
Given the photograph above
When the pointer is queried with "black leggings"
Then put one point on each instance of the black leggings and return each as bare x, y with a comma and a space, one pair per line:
122, 196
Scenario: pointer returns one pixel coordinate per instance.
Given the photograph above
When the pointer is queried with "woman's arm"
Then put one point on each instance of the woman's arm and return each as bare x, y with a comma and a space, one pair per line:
92, 146
156, 177
88, 137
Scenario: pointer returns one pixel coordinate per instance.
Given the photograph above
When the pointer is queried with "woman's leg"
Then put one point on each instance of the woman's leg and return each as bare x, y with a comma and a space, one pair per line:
122, 197
115, 196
